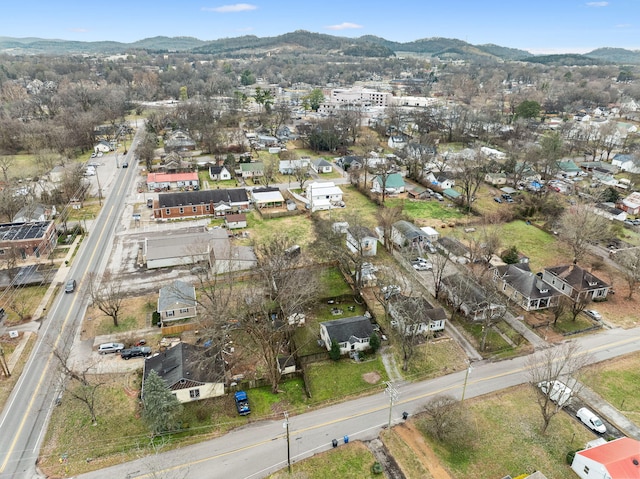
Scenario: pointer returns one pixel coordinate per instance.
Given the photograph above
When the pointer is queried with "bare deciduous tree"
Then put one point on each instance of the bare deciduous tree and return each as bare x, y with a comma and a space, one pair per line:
448, 420
630, 260
386, 217
558, 363
579, 227
106, 294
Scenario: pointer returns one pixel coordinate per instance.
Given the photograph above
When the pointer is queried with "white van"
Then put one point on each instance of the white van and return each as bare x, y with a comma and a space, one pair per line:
591, 420
557, 391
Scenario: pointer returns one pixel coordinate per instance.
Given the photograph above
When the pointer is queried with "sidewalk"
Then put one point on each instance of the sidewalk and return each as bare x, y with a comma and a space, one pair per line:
609, 412
536, 341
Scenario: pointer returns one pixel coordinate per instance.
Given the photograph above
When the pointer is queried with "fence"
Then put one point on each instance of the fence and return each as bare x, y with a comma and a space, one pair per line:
178, 328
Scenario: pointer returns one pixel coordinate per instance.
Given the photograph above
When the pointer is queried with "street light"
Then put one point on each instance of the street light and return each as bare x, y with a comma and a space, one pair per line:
466, 377
286, 426
393, 397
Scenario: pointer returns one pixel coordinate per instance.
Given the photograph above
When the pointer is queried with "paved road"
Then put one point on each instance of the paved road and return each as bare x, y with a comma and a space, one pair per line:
24, 419
260, 448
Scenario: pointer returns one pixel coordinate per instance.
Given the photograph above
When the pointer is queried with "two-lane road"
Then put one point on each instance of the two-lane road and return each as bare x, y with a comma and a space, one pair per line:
260, 448
24, 419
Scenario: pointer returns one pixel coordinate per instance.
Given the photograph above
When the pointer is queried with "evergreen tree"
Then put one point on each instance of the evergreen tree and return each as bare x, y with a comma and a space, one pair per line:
374, 342
334, 353
161, 408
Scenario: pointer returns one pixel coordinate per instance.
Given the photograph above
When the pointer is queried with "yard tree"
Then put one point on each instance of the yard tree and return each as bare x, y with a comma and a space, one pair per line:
301, 174
386, 217
580, 227
84, 382
557, 363
529, 109
160, 407
268, 311
440, 266
629, 259
106, 293
264, 98
410, 313
470, 175
448, 420
280, 116
334, 352
6, 162
269, 172
313, 100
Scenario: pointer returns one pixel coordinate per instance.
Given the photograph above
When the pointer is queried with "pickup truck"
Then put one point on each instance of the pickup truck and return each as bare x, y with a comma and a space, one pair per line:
135, 351
242, 403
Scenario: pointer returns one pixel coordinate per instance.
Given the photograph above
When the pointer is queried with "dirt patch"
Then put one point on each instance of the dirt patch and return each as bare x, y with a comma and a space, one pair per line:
413, 438
382, 455
97, 323
372, 377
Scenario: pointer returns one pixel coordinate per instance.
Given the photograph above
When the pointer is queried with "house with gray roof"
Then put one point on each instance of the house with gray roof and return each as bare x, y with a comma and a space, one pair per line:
352, 334
193, 204
575, 282
414, 315
470, 298
406, 234
321, 166
177, 301
179, 141
190, 372
518, 283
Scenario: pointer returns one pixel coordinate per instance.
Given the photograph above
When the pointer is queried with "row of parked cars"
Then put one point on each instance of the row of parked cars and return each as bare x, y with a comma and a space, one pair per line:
125, 353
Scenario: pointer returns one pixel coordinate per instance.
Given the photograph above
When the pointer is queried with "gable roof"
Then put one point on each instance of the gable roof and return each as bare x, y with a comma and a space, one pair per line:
451, 193
394, 180
321, 162
361, 232
185, 198
256, 166
520, 278
216, 170
178, 293
577, 277
413, 306
160, 177
344, 329
185, 365
408, 230
568, 166
621, 457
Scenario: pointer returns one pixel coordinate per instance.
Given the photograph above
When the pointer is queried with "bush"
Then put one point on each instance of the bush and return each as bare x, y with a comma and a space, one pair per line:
510, 255
155, 318
334, 353
374, 342
571, 455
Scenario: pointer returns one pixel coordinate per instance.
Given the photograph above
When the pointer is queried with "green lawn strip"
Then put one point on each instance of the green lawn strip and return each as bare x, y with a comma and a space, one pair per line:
617, 382
349, 461
431, 359
356, 203
425, 210
297, 227
338, 379
26, 300
567, 325
7, 384
265, 404
494, 343
506, 424
333, 284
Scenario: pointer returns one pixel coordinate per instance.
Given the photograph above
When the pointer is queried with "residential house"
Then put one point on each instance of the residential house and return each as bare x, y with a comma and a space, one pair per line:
321, 166
496, 179
630, 204
575, 282
397, 141
363, 240
172, 181
413, 315
417, 192
177, 301
405, 234
420, 151
34, 212
351, 161
609, 211
189, 372
444, 182
455, 249
493, 153
179, 141
103, 146
626, 162
27, 240
173, 163
520, 285
290, 167
393, 184
250, 170
469, 297
352, 334
267, 197
235, 221
617, 459
194, 204
219, 173
323, 196
568, 168
431, 233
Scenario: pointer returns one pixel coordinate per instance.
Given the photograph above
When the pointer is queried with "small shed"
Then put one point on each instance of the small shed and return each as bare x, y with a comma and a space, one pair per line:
451, 193
432, 234
508, 190
235, 221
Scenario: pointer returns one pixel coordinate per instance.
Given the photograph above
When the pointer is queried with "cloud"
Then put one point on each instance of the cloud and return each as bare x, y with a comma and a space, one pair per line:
236, 7
343, 26
597, 4
78, 30
623, 25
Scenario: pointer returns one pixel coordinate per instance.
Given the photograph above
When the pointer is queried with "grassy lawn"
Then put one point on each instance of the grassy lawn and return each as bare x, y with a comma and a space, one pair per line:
339, 379
506, 424
494, 343
298, 227
617, 381
431, 360
426, 210
542, 248
25, 300
265, 404
567, 325
133, 316
88, 212
332, 284
404, 456
356, 203
349, 461
7, 384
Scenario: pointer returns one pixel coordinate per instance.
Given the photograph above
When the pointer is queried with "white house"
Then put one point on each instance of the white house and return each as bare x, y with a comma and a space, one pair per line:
361, 239
625, 162
323, 196
103, 147
413, 316
219, 173
617, 459
394, 184
352, 334
432, 234
177, 301
321, 166
289, 167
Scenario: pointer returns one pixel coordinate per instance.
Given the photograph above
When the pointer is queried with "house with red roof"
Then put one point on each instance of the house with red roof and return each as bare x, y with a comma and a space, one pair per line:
617, 459
173, 181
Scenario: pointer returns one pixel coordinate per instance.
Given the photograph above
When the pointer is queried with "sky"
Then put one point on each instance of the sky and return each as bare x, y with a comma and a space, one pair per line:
539, 26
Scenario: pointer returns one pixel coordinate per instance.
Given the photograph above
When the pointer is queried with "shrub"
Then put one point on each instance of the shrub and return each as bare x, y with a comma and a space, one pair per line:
510, 255
374, 342
334, 353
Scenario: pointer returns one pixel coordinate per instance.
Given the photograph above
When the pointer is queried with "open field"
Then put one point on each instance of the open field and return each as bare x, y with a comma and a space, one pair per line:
426, 212
433, 359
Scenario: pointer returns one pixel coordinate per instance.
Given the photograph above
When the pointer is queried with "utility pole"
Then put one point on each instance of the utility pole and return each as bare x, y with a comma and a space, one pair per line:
393, 397
286, 426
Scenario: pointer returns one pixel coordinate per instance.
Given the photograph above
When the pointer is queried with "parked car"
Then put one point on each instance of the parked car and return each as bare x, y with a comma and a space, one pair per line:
106, 348
591, 420
125, 164
423, 266
593, 314
150, 203
135, 352
419, 259
70, 287
497, 199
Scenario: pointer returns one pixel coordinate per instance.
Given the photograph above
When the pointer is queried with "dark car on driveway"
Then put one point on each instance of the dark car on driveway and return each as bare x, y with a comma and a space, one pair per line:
135, 352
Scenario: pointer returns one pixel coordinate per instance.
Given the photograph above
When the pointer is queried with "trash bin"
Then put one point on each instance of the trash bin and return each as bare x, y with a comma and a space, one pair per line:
405, 415
346, 439
334, 443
